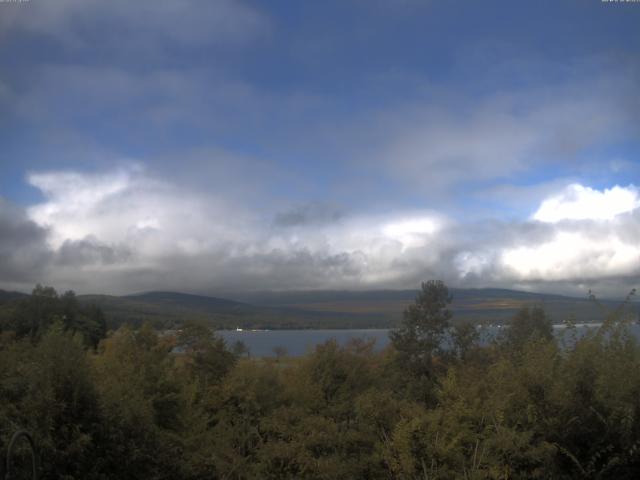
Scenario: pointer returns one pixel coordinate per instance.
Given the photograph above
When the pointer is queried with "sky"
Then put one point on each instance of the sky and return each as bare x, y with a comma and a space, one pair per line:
223, 146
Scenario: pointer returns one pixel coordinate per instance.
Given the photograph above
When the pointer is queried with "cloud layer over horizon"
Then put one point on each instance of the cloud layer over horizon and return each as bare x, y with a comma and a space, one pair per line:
124, 231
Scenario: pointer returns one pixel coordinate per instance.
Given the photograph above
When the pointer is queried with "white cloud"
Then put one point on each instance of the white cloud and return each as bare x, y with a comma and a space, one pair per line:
573, 255
412, 232
591, 238
137, 25
125, 230
578, 202
129, 206
469, 263
127, 220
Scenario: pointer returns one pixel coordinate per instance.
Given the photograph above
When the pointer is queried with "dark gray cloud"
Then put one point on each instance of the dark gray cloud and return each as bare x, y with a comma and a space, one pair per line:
90, 251
24, 253
308, 214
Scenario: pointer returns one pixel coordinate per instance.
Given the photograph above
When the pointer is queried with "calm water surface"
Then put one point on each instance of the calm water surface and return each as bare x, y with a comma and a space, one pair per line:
261, 343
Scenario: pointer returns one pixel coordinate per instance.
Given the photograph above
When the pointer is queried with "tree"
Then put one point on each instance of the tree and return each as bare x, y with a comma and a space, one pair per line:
143, 405
424, 322
37, 313
33, 316
420, 336
530, 323
44, 291
464, 338
46, 389
240, 349
208, 358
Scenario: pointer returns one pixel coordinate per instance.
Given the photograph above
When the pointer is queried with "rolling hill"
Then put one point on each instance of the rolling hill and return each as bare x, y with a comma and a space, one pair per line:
485, 304
6, 296
168, 309
325, 309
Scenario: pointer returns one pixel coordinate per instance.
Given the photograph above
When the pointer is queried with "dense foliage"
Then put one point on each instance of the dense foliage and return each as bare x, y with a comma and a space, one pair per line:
437, 404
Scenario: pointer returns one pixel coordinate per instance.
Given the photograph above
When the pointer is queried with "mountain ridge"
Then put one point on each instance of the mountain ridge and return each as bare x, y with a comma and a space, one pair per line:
323, 308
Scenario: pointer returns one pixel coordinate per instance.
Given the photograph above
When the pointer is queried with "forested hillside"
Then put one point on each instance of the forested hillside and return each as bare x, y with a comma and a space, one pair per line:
170, 309
126, 406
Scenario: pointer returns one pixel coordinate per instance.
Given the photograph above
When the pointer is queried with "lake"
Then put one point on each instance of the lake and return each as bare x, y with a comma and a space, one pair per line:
261, 343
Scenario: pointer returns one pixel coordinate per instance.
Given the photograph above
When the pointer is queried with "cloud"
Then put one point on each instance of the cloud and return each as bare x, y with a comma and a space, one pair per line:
124, 101
440, 146
104, 224
128, 230
310, 213
23, 248
148, 26
90, 251
592, 237
130, 206
577, 202
572, 255
444, 140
